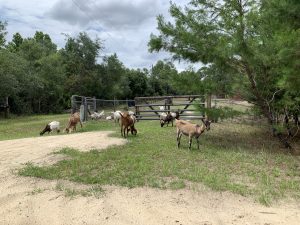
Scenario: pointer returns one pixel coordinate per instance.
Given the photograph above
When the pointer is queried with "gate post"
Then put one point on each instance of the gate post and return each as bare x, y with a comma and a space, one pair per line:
208, 103
114, 104
73, 104
85, 109
6, 110
81, 112
95, 103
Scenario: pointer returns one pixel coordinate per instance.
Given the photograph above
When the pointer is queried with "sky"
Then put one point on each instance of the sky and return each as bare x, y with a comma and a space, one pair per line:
124, 26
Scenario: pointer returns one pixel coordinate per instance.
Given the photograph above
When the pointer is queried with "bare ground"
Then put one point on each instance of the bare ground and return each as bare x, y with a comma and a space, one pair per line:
19, 204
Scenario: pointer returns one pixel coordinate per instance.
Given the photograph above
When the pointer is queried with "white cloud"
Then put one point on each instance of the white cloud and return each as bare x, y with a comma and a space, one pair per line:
124, 25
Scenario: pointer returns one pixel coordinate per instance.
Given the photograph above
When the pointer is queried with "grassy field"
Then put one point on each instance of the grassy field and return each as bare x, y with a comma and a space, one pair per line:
31, 126
234, 157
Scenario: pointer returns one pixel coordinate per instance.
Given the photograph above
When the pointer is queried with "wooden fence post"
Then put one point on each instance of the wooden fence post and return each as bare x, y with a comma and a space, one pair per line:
85, 109
95, 103
6, 110
208, 101
73, 104
114, 104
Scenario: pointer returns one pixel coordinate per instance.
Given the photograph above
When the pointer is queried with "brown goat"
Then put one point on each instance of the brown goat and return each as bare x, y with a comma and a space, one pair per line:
191, 130
127, 123
73, 120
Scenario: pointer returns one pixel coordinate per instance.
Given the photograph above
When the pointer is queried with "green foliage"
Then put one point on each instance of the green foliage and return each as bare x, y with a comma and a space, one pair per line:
160, 78
2, 33
12, 70
138, 83
15, 44
249, 45
221, 113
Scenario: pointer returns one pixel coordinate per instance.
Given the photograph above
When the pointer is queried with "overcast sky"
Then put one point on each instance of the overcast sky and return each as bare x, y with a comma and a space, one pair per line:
124, 25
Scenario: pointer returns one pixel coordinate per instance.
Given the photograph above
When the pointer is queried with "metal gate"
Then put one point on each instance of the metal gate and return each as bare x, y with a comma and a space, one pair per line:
149, 108
84, 105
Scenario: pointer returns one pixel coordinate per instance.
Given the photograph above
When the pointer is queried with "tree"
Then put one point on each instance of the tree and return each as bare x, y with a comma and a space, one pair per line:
138, 83
115, 82
11, 68
79, 57
231, 33
160, 76
2, 33
52, 75
189, 82
80, 54
15, 44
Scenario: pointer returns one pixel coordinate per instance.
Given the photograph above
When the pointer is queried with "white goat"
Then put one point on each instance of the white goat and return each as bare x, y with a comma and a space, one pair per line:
162, 108
191, 130
131, 113
109, 118
96, 115
116, 116
162, 115
54, 125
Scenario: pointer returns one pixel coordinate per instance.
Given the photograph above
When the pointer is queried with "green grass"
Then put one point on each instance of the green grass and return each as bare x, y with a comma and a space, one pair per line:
31, 126
95, 190
239, 158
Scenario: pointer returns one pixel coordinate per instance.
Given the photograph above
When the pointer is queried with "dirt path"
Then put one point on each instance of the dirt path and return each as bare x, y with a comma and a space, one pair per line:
20, 205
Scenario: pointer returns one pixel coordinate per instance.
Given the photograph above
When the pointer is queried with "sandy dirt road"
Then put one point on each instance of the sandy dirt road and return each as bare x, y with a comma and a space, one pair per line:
19, 206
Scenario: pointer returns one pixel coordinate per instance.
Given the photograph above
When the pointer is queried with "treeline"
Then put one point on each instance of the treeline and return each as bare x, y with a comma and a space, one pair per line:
40, 78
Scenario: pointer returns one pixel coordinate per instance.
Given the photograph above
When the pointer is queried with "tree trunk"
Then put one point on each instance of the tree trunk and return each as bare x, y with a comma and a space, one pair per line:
265, 108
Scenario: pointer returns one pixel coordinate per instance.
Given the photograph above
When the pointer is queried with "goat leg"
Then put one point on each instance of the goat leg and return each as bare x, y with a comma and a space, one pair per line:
124, 128
197, 142
190, 142
178, 138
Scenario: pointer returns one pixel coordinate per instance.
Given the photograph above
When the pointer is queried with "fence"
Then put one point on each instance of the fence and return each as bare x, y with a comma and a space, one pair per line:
148, 108
88, 104
4, 106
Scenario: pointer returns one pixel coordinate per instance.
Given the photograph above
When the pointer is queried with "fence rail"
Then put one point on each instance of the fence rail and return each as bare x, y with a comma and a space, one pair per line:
149, 108
146, 108
88, 105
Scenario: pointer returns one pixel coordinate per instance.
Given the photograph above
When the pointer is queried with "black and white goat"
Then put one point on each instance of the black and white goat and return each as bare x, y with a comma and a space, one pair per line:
167, 118
54, 125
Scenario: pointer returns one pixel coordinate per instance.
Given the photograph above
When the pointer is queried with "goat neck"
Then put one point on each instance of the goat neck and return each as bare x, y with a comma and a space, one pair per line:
200, 129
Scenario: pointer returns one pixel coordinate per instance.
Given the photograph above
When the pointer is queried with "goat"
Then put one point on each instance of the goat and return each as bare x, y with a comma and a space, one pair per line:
73, 120
127, 123
167, 118
95, 115
162, 108
109, 118
116, 116
54, 125
191, 130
